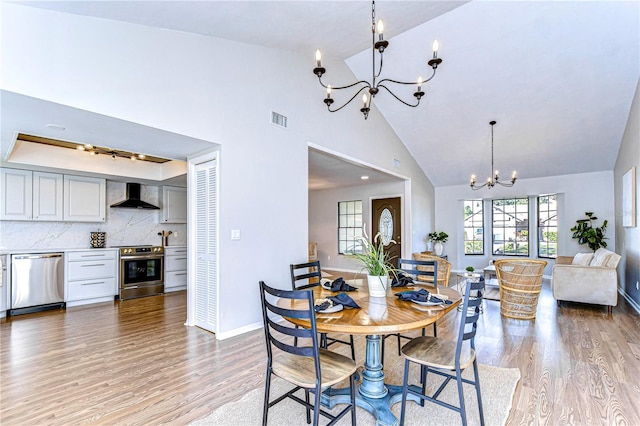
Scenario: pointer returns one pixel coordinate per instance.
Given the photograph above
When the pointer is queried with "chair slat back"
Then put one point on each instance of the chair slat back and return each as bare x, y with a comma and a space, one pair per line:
444, 267
278, 334
471, 305
305, 275
420, 270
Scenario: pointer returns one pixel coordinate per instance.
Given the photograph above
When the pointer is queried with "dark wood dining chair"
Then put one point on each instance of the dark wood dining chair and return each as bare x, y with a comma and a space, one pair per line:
309, 275
307, 367
447, 358
422, 271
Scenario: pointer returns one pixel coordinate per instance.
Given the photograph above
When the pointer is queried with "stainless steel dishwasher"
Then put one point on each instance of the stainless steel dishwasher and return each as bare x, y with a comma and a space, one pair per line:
37, 282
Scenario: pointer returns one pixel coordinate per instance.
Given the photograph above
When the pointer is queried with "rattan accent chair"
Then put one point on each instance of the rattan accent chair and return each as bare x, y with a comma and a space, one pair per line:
520, 285
309, 275
420, 270
444, 268
447, 358
309, 367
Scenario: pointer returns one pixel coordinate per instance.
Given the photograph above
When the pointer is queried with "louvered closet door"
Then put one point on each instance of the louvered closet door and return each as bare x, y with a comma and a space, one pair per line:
206, 241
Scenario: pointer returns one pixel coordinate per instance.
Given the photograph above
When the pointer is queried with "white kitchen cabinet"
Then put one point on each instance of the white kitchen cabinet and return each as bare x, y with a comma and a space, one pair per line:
174, 204
47, 196
84, 199
17, 194
31, 195
91, 276
175, 268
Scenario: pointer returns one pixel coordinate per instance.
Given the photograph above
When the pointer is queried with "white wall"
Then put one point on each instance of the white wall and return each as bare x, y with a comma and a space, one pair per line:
628, 239
579, 193
219, 91
323, 219
123, 226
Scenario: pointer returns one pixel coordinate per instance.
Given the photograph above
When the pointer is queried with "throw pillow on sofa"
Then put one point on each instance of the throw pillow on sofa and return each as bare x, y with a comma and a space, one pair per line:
600, 257
582, 259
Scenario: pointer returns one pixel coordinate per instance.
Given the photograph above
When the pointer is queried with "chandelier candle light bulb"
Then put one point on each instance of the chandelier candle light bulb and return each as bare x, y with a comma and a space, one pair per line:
376, 83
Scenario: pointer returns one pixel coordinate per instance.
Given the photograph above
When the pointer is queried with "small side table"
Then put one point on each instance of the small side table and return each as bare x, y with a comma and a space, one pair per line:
462, 285
489, 272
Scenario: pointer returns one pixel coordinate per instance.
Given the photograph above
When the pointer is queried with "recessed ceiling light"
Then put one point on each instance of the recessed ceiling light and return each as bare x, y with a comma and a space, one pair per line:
55, 126
364, 177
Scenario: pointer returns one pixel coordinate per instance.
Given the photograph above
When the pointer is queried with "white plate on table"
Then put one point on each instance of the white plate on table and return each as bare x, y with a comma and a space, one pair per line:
326, 285
332, 309
427, 303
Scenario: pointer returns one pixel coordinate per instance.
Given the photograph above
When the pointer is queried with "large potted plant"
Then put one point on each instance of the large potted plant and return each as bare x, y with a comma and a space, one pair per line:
376, 263
438, 239
586, 233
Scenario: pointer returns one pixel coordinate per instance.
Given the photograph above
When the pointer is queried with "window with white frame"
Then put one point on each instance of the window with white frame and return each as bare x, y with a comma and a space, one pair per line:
548, 226
349, 227
510, 227
473, 227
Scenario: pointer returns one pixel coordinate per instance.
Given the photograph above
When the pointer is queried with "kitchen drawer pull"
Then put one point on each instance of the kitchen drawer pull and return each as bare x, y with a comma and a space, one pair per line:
92, 255
180, 273
94, 283
181, 258
96, 264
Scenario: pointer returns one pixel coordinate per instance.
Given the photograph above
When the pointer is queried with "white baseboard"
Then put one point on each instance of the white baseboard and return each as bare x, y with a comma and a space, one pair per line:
238, 331
632, 302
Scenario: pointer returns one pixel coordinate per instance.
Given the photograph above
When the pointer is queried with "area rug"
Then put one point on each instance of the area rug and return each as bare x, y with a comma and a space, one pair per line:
497, 385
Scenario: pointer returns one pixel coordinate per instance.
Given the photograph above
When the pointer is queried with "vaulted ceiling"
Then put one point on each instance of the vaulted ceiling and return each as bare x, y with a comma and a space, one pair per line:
558, 77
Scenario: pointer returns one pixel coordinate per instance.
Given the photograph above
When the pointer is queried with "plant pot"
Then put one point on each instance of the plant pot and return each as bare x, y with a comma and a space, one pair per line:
377, 285
438, 248
377, 308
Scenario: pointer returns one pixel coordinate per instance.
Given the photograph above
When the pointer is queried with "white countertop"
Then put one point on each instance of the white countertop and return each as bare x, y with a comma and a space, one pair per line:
51, 250
7, 251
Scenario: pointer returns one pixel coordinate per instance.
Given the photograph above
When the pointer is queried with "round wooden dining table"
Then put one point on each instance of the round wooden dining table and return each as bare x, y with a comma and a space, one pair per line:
375, 317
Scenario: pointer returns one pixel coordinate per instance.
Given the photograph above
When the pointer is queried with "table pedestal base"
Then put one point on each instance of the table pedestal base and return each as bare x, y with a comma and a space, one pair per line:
372, 394
380, 408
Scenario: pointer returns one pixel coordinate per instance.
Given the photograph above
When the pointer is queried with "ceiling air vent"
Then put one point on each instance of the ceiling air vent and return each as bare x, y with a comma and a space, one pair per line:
279, 120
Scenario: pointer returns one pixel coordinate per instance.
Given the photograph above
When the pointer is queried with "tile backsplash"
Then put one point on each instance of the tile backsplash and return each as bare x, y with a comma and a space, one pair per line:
122, 227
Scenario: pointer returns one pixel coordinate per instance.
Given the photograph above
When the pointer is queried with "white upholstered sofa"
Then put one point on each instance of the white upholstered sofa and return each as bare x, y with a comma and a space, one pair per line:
587, 278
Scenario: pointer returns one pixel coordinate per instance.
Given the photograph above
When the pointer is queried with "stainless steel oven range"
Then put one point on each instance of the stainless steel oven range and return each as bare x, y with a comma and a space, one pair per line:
141, 271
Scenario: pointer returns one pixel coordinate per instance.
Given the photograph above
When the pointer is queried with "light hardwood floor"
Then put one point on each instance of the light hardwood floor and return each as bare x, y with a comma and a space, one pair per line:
134, 362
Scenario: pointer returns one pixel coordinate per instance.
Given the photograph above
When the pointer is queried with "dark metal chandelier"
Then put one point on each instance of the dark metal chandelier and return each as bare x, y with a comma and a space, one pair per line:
491, 182
374, 86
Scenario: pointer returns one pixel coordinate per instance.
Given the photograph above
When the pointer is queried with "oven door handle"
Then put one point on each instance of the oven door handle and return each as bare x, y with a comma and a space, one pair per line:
141, 257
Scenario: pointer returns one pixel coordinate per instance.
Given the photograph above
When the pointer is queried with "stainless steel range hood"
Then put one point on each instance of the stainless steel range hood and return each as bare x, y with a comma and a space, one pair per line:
133, 200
